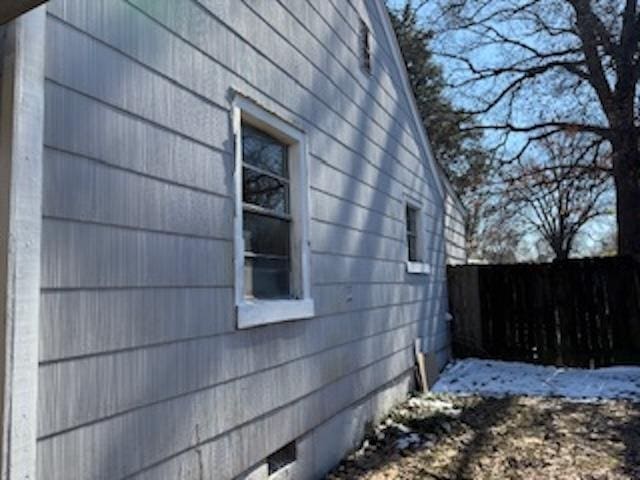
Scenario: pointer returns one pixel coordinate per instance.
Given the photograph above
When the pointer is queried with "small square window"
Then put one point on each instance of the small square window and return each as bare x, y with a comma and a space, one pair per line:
271, 243
365, 47
415, 239
412, 233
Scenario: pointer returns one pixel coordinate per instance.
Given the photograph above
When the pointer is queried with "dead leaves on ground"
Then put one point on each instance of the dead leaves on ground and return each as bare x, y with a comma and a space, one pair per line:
448, 438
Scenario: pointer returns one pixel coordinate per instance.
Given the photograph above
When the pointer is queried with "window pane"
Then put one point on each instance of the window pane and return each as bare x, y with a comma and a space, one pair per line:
266, 278
263, 151
413, 250
265, 191
411, 219
265, 235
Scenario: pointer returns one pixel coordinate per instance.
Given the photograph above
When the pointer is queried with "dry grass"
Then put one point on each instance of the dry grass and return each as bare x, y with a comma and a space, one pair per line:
440, 437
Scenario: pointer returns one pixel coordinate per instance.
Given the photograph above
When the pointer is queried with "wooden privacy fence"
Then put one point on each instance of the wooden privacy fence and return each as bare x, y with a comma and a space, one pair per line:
581, 313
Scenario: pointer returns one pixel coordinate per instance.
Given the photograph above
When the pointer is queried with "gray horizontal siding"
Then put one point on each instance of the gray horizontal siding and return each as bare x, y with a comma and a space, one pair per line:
251, 444
208, 53
334, 210
81, 255
128, 381
142, 202
225, 457
88, 321
84, 127
329, 268
163, 432
347, 241
99, 72
141, 364
333, 299
302, 36
333, 180
454, 232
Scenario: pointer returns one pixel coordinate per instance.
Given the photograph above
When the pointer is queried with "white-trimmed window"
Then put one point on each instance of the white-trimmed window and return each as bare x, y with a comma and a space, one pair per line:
414, 224
271, 244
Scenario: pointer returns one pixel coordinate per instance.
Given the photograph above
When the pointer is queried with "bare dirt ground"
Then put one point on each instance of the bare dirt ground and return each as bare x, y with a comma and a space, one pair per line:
438, 437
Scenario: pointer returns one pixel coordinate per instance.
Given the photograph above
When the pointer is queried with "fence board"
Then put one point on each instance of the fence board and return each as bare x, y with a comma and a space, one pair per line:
582, 313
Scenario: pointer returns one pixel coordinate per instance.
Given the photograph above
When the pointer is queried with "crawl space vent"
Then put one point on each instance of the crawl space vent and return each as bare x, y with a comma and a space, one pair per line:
283, 457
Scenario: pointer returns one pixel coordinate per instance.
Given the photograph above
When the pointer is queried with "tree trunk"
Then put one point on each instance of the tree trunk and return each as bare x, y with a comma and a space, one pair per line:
626, 172
558, 245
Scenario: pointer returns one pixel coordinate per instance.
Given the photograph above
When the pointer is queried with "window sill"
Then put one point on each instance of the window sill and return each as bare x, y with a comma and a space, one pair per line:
253, 313
418, 268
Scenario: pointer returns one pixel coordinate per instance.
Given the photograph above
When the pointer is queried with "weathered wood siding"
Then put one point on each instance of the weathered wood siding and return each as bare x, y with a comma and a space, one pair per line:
143, 373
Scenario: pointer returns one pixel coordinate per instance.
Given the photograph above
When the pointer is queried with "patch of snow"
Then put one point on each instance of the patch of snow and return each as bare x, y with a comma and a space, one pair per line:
497, 379
408, 441
398, 426
434, 405
362, 450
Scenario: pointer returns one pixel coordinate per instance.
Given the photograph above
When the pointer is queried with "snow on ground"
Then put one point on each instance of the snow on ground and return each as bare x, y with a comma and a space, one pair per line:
495, 378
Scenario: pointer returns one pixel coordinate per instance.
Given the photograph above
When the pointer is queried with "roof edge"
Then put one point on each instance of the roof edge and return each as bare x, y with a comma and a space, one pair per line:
10, 9
442, 181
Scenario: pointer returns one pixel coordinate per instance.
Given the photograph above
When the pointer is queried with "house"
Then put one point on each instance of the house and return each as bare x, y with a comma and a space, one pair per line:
222, 236
455, 227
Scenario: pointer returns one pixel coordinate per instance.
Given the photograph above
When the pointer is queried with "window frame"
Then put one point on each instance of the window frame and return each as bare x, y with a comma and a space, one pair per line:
253, 312
258, 211
418, 266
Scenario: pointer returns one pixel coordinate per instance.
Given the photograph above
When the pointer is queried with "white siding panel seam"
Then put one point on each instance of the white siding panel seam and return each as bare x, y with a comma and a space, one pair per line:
357, 204
381, 62
402, 355
349, 4
139, 173
386, 334
397, 259
111, 288
398, 199
129, 113
370, 231
412, 280
299, 433
319, 70
202, 442
121, 226
356, 57
148, 346
327, 104
408, 169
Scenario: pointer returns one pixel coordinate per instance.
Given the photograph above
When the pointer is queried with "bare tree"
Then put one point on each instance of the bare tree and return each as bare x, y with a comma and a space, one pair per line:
540, 68
459, 151
560, 193
607, 246
500, 240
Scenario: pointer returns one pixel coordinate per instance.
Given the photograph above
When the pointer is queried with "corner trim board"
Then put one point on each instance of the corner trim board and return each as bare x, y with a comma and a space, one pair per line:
21, 146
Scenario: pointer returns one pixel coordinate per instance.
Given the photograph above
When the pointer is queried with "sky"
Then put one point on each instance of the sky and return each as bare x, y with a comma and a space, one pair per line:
529, 108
